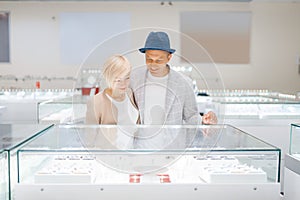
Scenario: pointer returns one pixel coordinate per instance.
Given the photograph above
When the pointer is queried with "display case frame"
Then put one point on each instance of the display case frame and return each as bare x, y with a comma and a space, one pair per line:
206, 145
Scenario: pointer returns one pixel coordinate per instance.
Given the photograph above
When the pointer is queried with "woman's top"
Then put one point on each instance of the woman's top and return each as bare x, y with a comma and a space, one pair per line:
127, 113
101, 110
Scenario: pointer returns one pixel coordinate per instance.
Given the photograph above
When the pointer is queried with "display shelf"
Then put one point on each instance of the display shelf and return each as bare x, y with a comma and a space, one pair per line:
12, 137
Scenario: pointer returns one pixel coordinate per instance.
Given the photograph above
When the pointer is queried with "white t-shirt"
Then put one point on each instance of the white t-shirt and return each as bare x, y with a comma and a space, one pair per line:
127, 113
155, 97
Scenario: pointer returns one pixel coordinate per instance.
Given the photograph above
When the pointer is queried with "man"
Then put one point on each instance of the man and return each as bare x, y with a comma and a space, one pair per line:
163, 95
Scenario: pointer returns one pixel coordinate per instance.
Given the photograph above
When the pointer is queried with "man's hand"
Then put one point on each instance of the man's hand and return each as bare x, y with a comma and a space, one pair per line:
209, 118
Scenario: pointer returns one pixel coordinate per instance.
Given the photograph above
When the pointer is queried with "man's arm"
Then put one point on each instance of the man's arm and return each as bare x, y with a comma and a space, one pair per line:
190, 108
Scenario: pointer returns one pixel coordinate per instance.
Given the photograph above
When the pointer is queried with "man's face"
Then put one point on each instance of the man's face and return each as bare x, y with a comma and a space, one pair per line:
156, 61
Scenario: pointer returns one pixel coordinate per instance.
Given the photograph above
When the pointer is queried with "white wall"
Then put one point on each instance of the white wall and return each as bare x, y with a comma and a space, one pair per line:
275, 39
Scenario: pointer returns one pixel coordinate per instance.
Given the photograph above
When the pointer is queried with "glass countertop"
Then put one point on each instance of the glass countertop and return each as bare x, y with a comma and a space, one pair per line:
14, 135
73, 99
144, 138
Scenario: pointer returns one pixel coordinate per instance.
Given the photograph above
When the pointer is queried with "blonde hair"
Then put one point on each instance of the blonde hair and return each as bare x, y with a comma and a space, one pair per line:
115, 66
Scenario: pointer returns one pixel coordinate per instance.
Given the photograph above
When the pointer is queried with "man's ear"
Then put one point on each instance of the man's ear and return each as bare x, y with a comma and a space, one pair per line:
169, 57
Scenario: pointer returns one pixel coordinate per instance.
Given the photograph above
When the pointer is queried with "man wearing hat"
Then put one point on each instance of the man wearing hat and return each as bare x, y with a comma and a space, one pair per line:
163, 95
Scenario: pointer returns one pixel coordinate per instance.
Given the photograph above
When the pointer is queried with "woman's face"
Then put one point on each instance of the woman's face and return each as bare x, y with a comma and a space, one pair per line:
121, 83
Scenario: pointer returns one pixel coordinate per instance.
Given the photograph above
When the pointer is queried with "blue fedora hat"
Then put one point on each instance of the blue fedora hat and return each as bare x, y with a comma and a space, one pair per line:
157, 41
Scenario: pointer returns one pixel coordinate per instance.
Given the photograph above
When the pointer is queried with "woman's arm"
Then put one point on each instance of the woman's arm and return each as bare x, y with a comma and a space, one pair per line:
90, 117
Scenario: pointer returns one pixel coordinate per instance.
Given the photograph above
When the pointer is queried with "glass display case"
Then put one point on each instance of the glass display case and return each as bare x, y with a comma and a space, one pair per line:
295, 140
250, 104
12, 137
27, 101
3, 175
133, 158
292, 165
264, 114
66, 110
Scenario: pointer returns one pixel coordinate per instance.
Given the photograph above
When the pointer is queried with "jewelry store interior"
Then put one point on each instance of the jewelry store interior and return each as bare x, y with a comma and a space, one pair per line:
242, 58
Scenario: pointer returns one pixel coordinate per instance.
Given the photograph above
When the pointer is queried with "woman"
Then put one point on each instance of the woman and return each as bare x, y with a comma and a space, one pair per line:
115, 104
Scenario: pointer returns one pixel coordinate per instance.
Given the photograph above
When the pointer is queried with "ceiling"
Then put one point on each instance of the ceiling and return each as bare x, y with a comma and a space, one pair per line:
162, 0
144, 0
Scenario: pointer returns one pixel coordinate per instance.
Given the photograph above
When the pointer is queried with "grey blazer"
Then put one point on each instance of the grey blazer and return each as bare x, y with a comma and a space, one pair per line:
180, 105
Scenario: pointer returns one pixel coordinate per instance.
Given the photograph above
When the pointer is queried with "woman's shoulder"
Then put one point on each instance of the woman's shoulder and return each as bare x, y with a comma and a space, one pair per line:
99, 96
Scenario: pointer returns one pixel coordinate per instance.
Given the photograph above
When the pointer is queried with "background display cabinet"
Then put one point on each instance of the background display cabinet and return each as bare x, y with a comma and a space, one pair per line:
147, 162
292, 166
250, 104
12, 137
2, 110
65, 110
262, 113
18, 102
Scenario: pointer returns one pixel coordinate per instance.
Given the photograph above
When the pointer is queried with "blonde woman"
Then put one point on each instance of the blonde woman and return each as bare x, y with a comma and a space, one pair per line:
115, 104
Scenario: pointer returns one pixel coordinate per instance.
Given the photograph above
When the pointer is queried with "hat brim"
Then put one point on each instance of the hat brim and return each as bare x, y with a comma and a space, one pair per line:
143, 50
